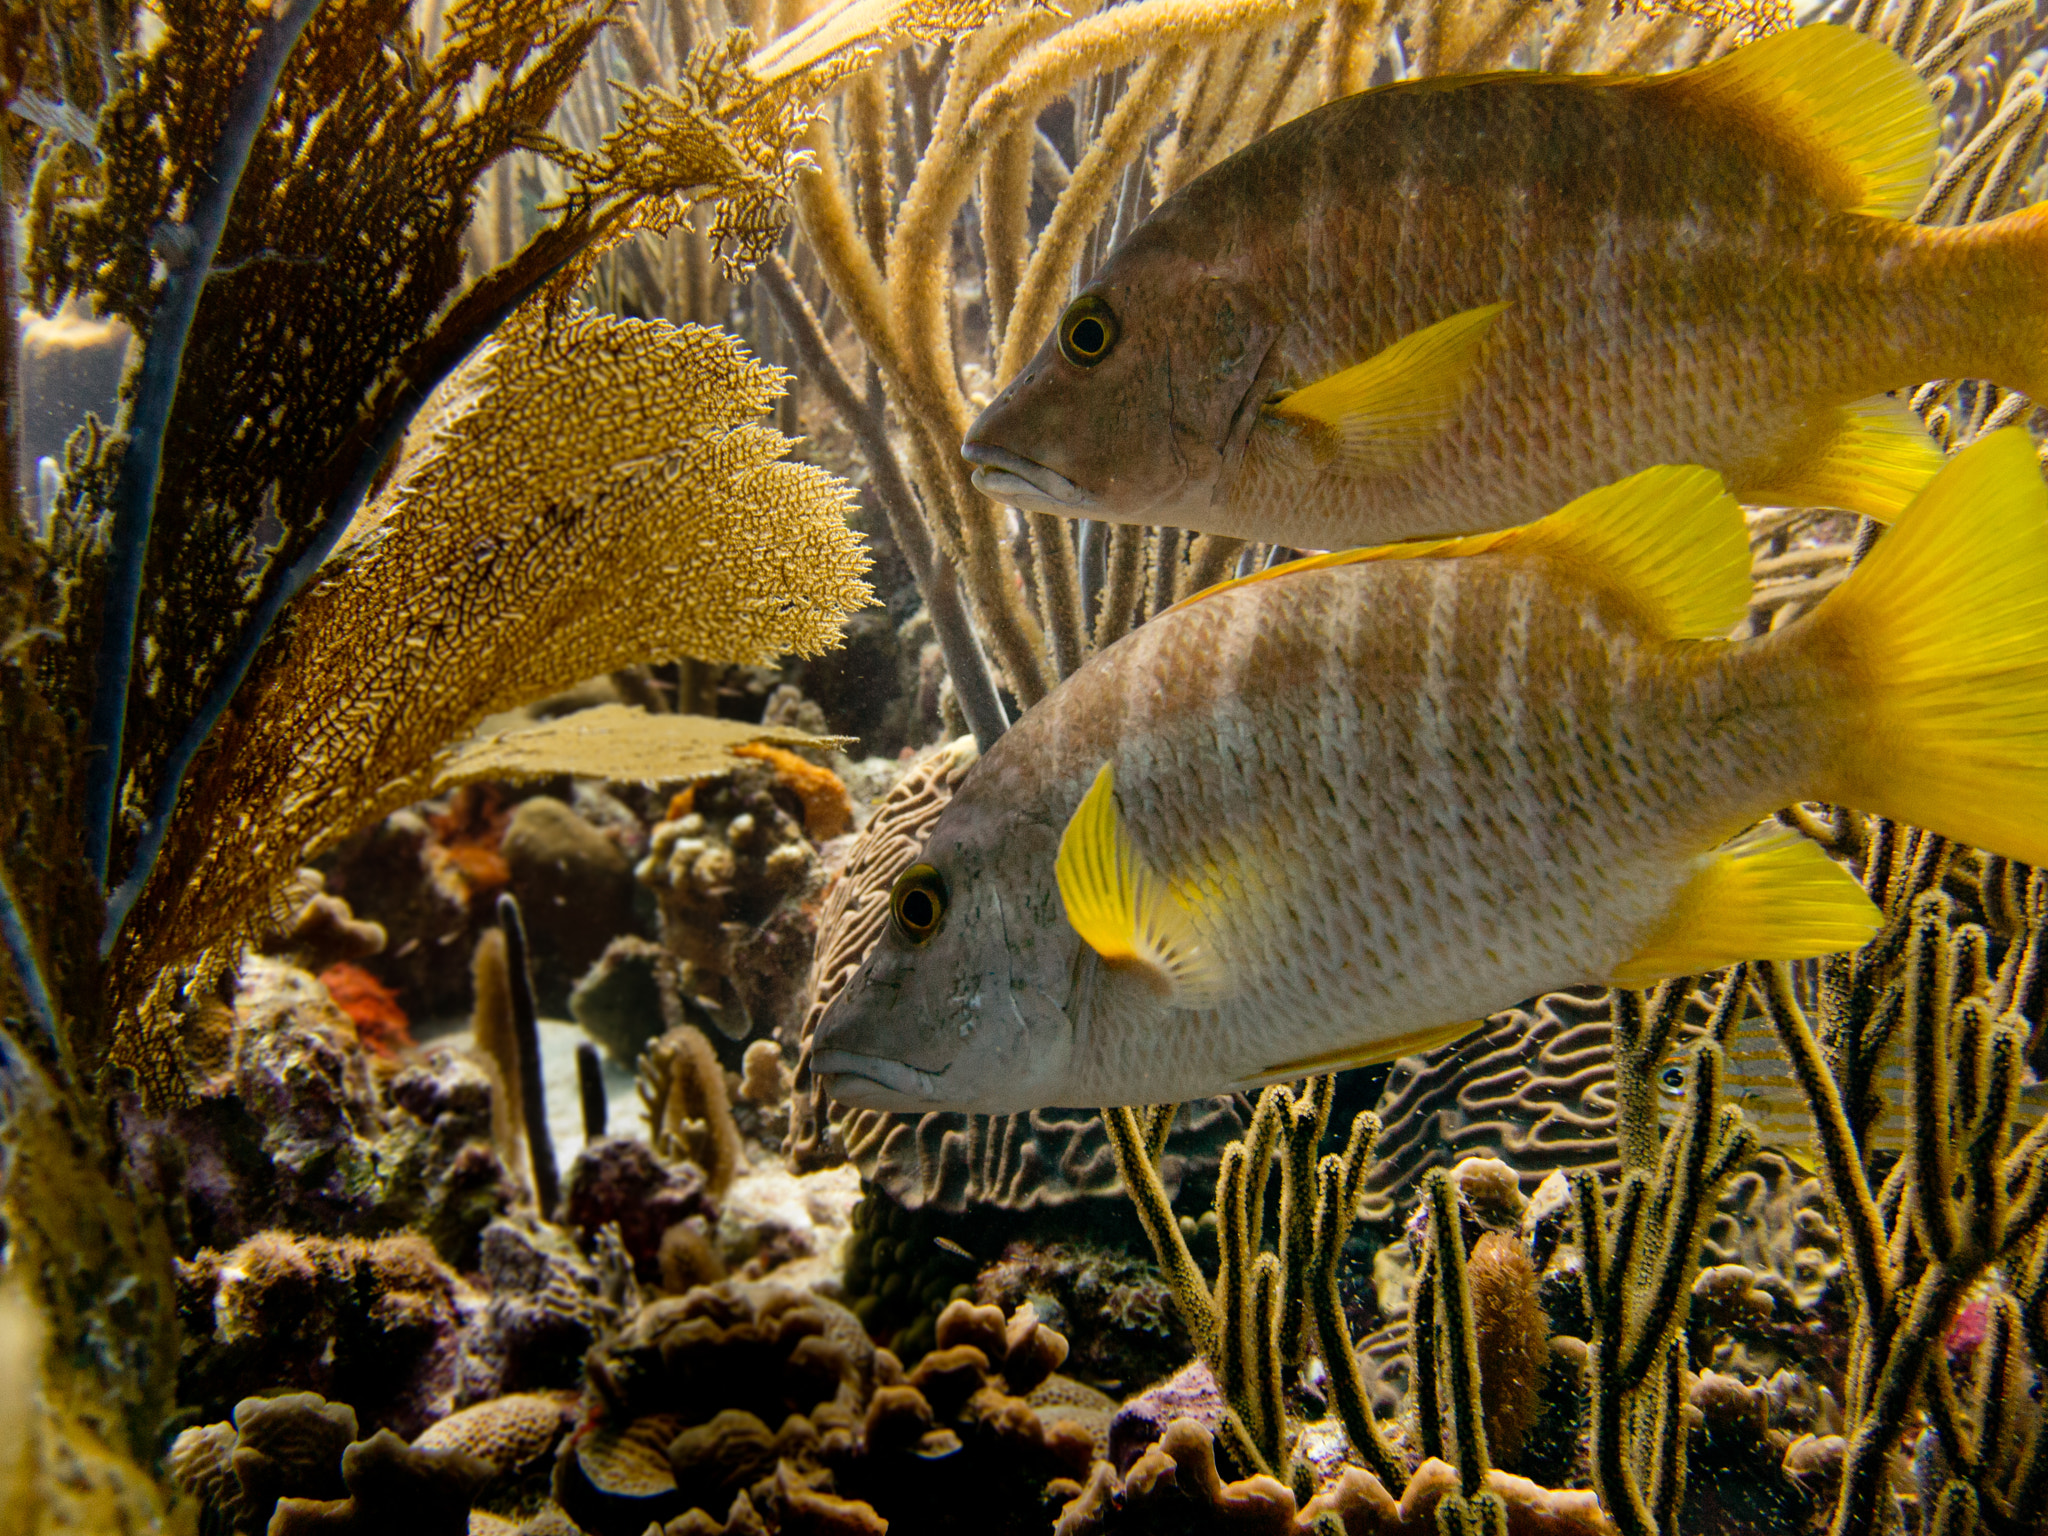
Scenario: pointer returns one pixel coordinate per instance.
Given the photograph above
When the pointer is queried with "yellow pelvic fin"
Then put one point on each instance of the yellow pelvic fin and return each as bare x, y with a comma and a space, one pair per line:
1669, 542
1939, 640
1769, 895
1370, 1055
1125, 911
1381, 414
1871, 457
1854, 112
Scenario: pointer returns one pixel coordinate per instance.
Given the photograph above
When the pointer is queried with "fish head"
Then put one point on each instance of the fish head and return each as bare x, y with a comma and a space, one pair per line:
962, 1003
1137, 406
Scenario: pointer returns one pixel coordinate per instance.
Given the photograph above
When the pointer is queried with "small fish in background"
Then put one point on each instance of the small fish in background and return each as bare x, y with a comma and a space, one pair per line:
1759, 1079
1330, 814
1451, 305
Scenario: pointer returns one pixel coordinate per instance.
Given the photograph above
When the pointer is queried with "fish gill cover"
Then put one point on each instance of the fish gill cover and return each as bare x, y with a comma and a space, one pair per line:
311, 216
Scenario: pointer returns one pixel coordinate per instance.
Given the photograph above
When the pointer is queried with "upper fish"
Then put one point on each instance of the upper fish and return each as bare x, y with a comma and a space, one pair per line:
1335, 814
1450, 305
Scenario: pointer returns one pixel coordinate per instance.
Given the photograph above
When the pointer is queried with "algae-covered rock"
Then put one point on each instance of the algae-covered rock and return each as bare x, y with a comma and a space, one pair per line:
296, 1132
374, 1324
575, 890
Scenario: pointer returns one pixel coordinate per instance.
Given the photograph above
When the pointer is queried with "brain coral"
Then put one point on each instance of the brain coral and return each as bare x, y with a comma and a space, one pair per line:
1534, 1088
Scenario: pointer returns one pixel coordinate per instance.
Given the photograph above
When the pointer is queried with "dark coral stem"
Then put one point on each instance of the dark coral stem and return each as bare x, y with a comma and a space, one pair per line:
547, 1184
1457, 1336
163, 361
936, 580
1772, 983
590, 1089
28, 969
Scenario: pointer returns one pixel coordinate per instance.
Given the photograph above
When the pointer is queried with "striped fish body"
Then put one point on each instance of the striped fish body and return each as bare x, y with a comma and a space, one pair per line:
1678, 269
1333, 815
1401, 793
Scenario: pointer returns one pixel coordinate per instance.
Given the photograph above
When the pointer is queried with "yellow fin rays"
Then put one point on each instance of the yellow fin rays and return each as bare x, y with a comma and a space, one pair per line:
1872, 457
1769, 895
1856, 114
1125, 910
1668, 542
1380, 414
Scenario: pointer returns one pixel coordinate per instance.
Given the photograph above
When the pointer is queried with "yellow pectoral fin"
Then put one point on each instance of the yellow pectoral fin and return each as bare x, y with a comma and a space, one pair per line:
1125, 911
1381, 414
1769, 895
1371, 1055
1859, 117
1872, 457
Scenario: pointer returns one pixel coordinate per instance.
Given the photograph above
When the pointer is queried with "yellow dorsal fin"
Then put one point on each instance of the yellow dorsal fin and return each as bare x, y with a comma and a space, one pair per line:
1871, 457
1855, 114
1769, 895
1380, 414
1125, 911
1371, 1054
1669, 541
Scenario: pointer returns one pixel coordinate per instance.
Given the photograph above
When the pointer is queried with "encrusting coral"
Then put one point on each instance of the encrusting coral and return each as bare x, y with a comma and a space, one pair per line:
375, 1324
735, 873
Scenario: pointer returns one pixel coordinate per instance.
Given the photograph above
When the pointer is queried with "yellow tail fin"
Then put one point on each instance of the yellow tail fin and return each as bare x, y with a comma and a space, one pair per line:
1940, 639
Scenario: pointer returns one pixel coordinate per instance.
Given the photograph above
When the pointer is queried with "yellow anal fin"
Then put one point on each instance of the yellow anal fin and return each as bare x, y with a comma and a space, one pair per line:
1871, 457
1125, 911
1380, 415
1769, 895
1846, 107
1372, 1054
1668, 543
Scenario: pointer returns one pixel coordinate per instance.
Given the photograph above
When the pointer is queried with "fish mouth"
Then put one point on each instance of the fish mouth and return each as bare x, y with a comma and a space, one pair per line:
1020, 482
874, 1082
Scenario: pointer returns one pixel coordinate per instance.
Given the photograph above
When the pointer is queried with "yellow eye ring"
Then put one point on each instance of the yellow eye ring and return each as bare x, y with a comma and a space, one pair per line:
917, 903
1088, 330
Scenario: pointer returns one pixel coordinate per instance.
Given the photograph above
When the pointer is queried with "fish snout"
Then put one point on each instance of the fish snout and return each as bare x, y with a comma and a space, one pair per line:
1020, 482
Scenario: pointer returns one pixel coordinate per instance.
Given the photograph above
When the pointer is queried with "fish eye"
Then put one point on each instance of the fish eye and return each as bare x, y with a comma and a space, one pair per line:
1087, 331
917, 903
1673, 1079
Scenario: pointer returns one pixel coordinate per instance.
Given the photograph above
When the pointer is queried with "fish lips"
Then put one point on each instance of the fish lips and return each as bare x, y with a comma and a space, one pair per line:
875, 1082
1019, 482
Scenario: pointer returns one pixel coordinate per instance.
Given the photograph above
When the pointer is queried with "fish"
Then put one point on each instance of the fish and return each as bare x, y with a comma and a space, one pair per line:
1336, 812
1449, 306
1759, 1080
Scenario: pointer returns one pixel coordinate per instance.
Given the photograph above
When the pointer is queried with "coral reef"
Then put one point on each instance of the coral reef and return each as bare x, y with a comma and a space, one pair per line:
621, 1183
332, 518
689, 1105
1533, 1087
295, 1130
575, 886
736, 875
377, 1324
1115, 1309
625, 999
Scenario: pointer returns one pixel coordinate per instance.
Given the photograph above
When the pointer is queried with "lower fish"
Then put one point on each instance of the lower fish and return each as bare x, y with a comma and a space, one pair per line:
1334, 813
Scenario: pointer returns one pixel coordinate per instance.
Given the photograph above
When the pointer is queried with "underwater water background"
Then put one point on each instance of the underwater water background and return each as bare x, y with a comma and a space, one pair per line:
496, 617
